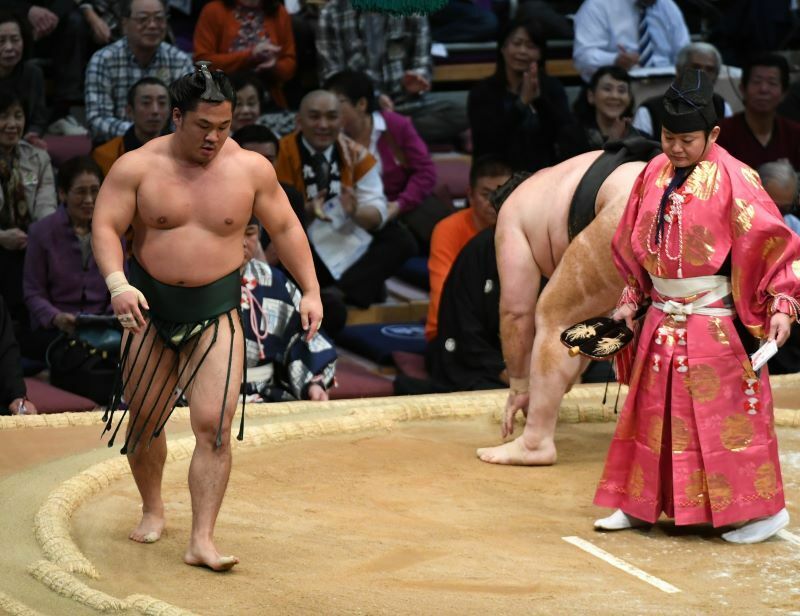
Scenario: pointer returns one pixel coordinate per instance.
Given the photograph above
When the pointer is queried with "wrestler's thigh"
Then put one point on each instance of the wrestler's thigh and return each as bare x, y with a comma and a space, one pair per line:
149, 375
205, 394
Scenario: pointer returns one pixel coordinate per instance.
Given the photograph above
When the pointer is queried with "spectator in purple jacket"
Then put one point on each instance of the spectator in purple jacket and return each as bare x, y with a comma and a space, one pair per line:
61, 278
407, 170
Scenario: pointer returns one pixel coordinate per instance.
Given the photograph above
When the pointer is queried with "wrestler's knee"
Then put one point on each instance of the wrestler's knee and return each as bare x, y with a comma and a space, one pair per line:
207, 433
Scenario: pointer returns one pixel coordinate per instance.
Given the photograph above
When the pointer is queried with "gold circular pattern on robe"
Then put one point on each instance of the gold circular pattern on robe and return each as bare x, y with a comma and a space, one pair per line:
703, 182
680, 435
654, 432
702, 383
636, 481
698, 245
719, 491
743, 220
751, 175
773, 249
716, 327
696, 489
766, 481
736, 433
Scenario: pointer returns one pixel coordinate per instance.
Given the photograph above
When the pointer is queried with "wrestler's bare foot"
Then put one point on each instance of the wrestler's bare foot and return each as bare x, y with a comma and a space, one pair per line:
149, 529
204, 554
517, 452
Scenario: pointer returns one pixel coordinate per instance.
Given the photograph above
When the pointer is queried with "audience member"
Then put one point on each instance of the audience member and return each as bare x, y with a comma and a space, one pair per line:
28, 194
758, 134
464, 21
22, 74
12, 383
61, 34
407, 170
355, 247
395, 52
249, 106
695, 56
104, 18
749, 27
253, 35
61, 277
149, 109
112, 70
516, 113
602, 114
780, 181
451, 234
281, 363
260, 139
627, 33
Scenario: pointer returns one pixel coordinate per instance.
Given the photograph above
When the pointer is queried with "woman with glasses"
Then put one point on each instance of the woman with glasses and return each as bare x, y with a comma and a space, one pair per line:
61, 279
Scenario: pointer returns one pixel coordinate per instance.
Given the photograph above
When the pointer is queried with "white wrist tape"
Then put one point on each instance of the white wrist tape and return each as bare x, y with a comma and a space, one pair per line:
518, 385
118, 284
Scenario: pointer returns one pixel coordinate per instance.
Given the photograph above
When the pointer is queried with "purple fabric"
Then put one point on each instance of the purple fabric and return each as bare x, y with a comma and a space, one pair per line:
54, 280
409, 185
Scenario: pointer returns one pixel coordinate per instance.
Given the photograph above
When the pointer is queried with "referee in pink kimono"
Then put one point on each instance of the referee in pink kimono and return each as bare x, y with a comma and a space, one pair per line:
702, 240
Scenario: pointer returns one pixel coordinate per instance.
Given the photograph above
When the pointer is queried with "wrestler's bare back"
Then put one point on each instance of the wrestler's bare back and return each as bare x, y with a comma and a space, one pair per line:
540, 206
190, 219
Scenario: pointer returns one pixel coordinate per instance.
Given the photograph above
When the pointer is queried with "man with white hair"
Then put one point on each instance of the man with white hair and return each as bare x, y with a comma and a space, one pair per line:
780, 181
694, 56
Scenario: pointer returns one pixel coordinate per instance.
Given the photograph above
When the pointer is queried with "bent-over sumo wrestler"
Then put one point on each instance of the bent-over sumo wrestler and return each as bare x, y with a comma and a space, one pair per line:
545, 229
188, 197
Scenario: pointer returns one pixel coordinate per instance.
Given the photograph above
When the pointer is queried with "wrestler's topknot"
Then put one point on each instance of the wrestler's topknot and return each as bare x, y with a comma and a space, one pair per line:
201, 85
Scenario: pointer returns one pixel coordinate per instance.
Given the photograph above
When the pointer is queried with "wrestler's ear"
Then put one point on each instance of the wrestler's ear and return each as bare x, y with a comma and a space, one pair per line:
176, 116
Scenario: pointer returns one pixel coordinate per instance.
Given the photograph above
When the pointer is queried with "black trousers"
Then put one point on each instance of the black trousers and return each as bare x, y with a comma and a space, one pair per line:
363, 283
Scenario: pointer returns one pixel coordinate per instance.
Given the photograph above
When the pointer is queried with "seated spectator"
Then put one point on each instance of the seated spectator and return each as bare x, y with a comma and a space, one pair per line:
407, 170
780, 181
23, 75
61, 277
281, 363
12, 383
249, 107
695, 56
395, 51
647, 33
758, 134
516, 113
356, 248
464, 21
27, 194
452, 233
149, 109
260, 139
104, 18
254, 35
602, 114
112, 70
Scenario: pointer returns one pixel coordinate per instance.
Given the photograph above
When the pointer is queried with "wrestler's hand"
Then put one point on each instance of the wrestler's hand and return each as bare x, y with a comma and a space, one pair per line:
625, 313
779, 327
311, 313
129, 304
317, 393
516, 401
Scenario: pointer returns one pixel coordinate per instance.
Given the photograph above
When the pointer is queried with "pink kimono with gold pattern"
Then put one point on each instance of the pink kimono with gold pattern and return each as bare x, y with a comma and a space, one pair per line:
695, 438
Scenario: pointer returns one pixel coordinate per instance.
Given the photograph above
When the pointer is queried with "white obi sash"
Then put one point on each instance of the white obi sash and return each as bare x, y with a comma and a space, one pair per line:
713, 288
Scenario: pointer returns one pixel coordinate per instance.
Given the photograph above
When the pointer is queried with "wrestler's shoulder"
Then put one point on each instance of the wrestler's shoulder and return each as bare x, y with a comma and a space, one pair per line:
246, 161
144, 157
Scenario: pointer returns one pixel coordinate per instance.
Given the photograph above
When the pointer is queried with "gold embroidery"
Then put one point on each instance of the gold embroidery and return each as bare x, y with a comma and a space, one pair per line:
703, 181
607, 346
719, 491
698, 245
581, 331
717, 330
696, 488
773, 249
743, 219
766, 481
636, 480
654, 431
751, 175
749, 373
680, 435
736, 433
664, 176
702, 383
756, 330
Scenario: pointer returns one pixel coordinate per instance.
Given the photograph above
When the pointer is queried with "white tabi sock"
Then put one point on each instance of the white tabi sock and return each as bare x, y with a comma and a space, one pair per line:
758, 530
619, 520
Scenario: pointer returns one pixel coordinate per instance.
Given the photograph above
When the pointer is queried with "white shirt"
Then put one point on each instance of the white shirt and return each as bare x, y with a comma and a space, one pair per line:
602, 26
